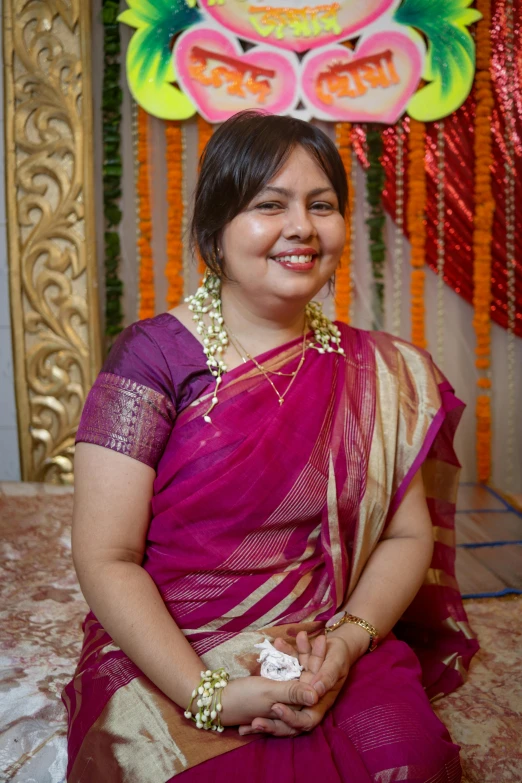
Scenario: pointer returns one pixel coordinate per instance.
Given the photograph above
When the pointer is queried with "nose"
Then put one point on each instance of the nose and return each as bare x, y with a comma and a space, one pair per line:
299, 224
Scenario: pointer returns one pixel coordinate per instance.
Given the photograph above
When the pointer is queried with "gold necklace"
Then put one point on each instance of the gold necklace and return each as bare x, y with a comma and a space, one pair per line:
293, 375
206, 303
238, 348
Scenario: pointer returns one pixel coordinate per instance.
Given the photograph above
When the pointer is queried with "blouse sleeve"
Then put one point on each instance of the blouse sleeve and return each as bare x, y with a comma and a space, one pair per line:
130, 408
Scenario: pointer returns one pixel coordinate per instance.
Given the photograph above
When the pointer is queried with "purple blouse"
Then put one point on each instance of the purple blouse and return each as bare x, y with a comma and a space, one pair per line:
154, 370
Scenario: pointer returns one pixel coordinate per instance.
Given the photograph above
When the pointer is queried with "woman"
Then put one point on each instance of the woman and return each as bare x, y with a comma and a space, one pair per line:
247, 470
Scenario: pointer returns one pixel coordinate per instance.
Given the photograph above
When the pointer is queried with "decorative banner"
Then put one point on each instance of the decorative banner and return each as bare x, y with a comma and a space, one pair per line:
222, 79
295, 24
372, 83
242, 54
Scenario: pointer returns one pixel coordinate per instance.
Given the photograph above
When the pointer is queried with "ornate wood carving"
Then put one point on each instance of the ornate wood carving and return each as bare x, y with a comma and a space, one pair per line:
54, 307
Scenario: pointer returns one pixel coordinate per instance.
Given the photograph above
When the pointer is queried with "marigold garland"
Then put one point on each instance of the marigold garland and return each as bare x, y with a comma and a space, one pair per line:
175, 211
417, 228
343, 280
483, 223
205, 130
146, 273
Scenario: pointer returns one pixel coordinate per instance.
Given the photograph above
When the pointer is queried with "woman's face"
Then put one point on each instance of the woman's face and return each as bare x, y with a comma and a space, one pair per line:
286, 244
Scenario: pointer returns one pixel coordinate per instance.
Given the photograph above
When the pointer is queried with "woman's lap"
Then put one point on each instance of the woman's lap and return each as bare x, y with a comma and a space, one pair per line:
381, 729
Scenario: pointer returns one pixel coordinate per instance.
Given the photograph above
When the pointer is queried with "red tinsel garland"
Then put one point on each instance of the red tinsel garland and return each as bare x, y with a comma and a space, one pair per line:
460, 159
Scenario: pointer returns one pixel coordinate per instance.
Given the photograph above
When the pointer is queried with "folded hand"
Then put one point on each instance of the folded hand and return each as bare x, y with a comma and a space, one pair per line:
247, 698
326, 665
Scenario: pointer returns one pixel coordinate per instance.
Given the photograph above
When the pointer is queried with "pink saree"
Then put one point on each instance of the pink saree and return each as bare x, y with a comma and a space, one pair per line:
262, 523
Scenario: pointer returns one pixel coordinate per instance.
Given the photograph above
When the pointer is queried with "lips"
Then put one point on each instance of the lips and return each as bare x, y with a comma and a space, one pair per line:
295, 252
297, 262
296, 258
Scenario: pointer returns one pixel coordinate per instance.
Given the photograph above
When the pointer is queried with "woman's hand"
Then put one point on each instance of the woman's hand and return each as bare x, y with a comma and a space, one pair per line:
291, 722
335, 667
253, 697
326, 667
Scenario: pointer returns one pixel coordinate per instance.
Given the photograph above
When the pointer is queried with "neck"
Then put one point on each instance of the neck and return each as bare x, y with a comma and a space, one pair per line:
262, 330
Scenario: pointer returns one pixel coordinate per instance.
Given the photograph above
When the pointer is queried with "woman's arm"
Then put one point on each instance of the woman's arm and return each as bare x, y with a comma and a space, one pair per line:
110, 522
394, 572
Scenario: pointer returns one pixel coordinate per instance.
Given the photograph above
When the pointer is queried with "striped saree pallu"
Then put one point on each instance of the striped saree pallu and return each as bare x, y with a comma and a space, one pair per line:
262, 523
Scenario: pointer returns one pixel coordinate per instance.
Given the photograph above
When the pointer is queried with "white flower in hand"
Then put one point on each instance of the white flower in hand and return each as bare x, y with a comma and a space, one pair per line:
277, 665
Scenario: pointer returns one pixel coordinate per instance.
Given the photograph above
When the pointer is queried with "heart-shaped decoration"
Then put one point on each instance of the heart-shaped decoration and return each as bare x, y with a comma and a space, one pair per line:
372, 83
222, 79
298, 25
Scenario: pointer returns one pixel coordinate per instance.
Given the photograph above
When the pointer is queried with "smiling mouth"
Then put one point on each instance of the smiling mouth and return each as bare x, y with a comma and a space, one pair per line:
296, 260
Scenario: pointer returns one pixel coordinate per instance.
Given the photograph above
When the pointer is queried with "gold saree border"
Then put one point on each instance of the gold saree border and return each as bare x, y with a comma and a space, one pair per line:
51, 228
121, 738
399, 432
142, 735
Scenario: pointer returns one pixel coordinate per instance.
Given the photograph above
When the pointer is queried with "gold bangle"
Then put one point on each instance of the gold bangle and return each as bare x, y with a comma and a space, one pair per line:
351, 618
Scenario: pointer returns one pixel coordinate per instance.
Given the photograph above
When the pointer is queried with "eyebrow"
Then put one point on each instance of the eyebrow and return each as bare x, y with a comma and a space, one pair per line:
285, 192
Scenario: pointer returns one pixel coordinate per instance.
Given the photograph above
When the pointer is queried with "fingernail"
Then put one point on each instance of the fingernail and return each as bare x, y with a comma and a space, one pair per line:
320, 689
278, 711
309, 698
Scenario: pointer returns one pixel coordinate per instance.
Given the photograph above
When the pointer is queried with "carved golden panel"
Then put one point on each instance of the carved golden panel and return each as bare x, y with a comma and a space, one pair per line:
49, 185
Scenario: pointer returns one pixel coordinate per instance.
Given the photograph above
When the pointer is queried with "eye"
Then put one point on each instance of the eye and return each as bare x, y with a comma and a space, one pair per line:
270, 206
323, 206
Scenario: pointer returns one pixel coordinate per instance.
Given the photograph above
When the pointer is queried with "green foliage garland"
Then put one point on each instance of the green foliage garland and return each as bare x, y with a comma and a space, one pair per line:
375, 177
112, 167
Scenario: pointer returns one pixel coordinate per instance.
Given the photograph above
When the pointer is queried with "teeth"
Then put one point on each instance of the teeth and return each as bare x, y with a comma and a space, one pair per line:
295, 259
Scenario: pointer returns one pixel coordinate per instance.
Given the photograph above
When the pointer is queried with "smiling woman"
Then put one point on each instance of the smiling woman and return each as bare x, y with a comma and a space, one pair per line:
245, 470
291, 223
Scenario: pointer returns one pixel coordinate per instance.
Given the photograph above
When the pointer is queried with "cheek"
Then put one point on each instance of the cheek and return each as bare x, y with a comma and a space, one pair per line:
333, 236
252, 234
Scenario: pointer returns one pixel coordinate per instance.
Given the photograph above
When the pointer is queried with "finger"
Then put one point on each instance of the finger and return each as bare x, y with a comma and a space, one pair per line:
304, 648
243, 731
327, 677
302, 720
296, 692
284, 647
277, 728
317, 656
307, 677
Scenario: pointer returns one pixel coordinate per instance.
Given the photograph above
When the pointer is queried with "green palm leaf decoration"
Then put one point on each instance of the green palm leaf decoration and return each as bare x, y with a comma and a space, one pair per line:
450, 60
150, 72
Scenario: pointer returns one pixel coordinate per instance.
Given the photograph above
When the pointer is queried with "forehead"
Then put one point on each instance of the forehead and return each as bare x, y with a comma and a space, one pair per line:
300, 169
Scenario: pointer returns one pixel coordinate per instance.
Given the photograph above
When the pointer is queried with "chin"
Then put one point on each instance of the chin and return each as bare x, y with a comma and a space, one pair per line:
304, 289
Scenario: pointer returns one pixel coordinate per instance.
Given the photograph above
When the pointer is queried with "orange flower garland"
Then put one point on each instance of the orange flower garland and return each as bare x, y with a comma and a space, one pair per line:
343, 281
174, 266
146, 274
417, 229
205, 130
483, 223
